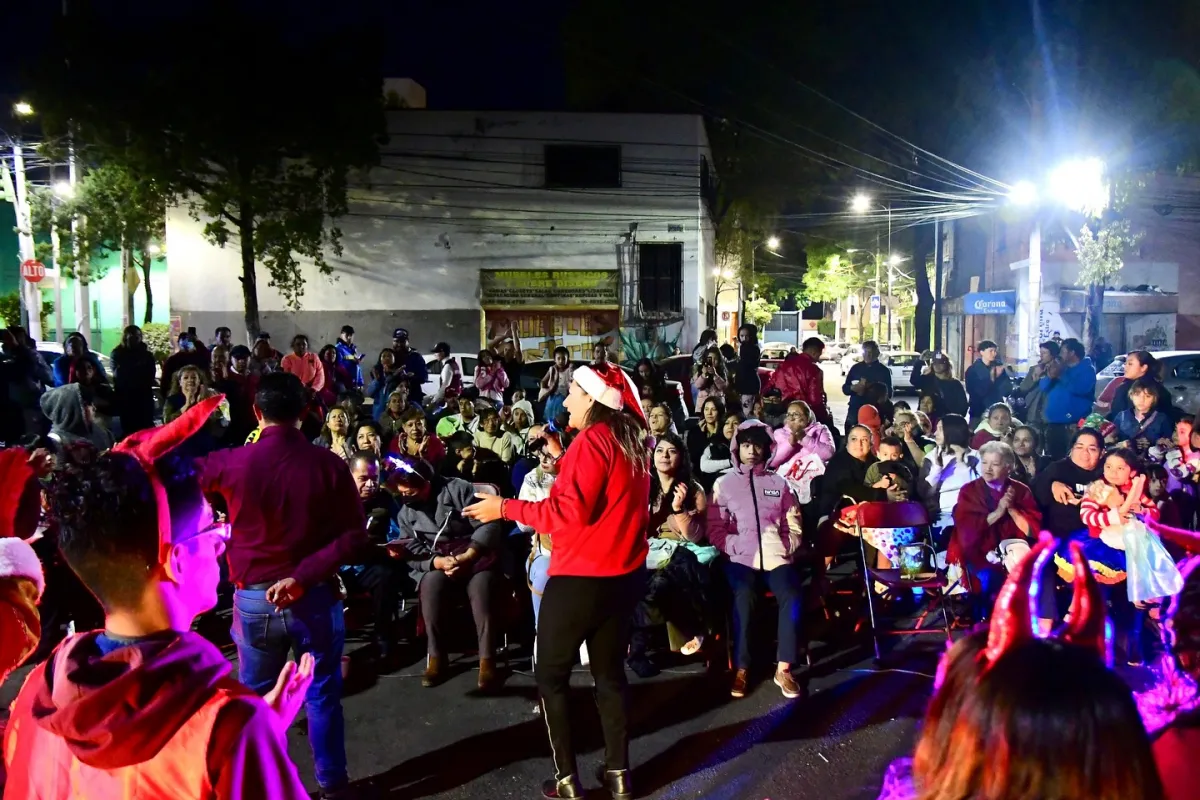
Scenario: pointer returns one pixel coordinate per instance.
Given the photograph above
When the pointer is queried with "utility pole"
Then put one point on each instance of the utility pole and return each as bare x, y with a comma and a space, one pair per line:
937, 284
29, 291
83, 304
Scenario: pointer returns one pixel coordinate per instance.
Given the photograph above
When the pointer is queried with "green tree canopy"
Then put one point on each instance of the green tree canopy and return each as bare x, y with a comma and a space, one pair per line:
257, 138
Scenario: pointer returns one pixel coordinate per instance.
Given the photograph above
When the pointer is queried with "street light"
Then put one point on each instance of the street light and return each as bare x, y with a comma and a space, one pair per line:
64, 189
1080, 186
154, 248
773, 243
22, 109
861, 203
1023, 193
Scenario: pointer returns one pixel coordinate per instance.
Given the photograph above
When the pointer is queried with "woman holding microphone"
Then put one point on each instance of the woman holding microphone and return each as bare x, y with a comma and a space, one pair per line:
596, 514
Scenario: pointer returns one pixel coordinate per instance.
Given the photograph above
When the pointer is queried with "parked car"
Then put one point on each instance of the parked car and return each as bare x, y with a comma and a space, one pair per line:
900, 363
50, 351
466, 361
1178, 369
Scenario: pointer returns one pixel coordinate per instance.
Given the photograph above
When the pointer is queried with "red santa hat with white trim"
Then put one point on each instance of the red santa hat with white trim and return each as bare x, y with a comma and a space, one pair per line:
609, 386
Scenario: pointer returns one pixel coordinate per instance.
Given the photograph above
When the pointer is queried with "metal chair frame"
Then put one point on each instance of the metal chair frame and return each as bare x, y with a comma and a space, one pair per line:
899, 515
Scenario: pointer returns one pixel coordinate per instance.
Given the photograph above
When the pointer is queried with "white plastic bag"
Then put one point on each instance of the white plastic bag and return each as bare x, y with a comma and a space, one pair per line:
799, 472
1150, 571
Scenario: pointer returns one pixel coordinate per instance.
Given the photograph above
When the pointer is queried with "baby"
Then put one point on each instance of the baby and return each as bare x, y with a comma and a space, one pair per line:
889, 471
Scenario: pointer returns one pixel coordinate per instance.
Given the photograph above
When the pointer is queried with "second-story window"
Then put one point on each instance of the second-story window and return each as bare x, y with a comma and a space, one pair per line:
573, 166
660, 284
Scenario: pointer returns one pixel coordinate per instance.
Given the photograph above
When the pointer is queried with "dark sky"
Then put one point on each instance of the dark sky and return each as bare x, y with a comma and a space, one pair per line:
480, 55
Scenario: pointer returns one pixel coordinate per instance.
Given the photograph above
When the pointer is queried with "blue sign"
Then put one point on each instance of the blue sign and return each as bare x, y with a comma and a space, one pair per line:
990, 303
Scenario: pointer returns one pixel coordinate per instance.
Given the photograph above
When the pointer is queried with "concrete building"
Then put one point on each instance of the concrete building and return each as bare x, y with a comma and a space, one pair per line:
1149, 304
572, 228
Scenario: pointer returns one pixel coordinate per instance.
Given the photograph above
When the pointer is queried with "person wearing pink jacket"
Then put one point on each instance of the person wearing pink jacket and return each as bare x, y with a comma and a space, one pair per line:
490, 378
801, 435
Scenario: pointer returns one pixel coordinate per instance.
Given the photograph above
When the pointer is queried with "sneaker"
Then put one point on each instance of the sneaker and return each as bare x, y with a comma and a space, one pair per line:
739, 684
616, 781
787, 684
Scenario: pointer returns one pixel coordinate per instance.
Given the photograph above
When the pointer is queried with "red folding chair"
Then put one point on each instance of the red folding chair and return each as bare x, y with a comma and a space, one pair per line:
929, 578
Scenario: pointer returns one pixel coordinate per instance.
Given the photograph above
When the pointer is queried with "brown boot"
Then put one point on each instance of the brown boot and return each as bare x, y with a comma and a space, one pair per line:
487, 674
739, 683
433, 672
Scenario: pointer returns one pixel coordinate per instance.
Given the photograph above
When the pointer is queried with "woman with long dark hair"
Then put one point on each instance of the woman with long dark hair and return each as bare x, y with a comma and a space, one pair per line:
677, 589
597, 515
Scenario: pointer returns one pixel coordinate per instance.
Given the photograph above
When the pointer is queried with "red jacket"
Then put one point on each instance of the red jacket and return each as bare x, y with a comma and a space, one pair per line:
161, 718
597, 511
801, 378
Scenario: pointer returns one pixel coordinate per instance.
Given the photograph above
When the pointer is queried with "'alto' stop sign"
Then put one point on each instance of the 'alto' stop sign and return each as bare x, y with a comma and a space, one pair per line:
33, 271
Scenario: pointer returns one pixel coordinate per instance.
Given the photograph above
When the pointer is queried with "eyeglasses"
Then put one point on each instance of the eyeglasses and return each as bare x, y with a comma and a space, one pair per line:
794, 415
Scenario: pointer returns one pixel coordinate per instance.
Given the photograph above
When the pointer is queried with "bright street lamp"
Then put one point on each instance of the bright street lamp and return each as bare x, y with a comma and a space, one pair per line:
773, 243
154, 248
1023, 193
894, 259
860, 204
22, 109
1080, 186
64, 189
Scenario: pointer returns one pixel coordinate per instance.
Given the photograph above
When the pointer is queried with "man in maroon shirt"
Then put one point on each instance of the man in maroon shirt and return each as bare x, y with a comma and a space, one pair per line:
295, 517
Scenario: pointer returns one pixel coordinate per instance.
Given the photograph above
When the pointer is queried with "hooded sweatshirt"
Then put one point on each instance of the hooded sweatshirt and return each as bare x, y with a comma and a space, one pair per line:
161, 718
753, 517
68, 424
813, 440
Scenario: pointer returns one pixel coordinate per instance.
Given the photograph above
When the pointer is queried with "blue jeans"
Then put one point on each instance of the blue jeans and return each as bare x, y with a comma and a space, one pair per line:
784, 583
538, 571
313, 624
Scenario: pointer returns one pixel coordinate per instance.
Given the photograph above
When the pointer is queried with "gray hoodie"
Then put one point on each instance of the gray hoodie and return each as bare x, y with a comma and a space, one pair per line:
69, 423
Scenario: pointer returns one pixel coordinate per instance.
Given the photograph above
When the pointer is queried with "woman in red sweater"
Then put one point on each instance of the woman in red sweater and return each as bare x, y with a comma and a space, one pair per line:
597, 514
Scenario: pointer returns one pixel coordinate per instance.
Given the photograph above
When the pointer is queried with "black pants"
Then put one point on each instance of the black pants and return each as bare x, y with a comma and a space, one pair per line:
438, 593
597, 611
384, 581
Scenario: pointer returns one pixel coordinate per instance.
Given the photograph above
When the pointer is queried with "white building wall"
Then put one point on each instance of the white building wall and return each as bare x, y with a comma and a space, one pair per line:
457, 192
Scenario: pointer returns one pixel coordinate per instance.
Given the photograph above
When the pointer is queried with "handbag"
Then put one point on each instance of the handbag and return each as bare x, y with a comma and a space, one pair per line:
1150, 571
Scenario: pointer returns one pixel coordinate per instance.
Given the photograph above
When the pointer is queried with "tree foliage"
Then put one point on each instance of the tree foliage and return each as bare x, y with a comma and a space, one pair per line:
1101, 256
256, 141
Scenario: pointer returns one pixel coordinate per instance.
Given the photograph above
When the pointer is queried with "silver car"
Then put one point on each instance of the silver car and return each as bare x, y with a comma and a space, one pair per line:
1180, 373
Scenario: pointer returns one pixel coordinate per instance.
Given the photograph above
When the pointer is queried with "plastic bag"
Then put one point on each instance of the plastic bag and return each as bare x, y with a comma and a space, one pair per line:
799, 472
1150, 570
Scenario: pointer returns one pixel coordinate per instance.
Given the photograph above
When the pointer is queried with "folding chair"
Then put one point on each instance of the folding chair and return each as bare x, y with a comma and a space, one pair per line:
900, 515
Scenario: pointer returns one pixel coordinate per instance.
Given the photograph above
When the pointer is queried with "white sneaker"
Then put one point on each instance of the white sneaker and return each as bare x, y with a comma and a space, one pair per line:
583, 655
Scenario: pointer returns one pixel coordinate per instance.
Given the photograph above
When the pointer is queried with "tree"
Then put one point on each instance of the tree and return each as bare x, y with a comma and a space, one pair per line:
759, 310
120, 213
257, 143
1101, 256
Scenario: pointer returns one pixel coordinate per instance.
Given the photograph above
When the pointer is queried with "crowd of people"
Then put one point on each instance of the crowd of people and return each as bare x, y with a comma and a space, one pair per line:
627, 533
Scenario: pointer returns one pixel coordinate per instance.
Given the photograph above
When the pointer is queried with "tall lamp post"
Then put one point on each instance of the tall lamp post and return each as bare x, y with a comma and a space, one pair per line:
1076, 185
772, 245
862, 203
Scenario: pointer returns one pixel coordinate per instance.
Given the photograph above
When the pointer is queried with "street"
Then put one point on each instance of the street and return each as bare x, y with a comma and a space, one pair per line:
689, 738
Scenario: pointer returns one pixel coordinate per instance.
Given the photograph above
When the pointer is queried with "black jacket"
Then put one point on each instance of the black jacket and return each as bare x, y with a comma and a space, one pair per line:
845, 475
982, 390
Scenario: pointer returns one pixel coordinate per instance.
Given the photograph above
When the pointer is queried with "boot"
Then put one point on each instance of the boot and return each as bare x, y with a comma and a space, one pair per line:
616, 781
487, 674
433, 672
567, 788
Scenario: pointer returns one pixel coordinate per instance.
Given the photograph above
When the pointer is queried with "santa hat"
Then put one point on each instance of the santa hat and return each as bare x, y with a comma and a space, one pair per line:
148, 446
609, 386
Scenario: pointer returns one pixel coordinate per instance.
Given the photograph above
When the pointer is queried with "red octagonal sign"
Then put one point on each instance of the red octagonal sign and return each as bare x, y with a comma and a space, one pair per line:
33, 270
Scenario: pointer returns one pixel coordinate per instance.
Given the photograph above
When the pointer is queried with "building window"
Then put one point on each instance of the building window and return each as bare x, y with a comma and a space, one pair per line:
710, 315
660, 283
570, 166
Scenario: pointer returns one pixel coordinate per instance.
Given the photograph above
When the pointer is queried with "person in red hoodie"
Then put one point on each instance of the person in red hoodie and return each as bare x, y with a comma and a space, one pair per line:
145, 707
596, 515
799, 377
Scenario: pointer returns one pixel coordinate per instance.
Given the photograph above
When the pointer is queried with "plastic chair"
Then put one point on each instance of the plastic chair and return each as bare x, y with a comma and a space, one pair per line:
932, 580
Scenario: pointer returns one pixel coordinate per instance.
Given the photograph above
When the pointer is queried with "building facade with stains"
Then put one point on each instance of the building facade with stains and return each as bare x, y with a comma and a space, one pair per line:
571, 228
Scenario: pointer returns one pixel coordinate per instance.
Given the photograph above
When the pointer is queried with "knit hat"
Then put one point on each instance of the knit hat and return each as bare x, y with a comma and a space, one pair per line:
525, 406
609, 386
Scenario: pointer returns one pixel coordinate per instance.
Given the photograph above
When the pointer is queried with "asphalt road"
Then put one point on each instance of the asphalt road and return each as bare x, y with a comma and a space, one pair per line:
689, 738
